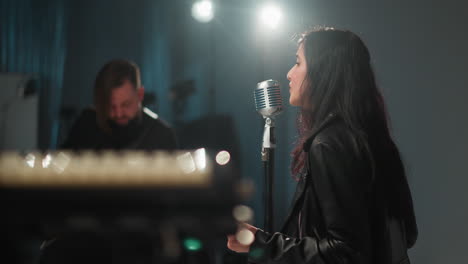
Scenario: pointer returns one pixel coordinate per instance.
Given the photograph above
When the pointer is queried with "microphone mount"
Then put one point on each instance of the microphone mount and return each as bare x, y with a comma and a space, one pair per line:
269, 140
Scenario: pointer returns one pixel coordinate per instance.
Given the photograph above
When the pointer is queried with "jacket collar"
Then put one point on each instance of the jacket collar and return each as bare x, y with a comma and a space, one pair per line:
331, 117
301, 185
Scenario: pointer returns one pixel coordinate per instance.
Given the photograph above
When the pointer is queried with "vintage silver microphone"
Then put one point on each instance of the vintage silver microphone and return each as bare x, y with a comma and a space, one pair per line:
269, 104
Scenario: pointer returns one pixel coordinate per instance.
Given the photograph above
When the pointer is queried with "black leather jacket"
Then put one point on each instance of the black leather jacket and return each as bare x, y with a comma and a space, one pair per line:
337, 215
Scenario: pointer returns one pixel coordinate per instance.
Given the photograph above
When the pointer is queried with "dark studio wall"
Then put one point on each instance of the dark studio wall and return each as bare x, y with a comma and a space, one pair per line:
419, 55
33, 42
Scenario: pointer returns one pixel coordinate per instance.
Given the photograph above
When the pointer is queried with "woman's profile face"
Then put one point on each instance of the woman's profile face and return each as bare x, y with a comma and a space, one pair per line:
297, 78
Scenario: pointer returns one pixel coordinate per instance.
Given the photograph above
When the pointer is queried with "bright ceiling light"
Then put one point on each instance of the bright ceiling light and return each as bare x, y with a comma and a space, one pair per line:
270, 16
202, 11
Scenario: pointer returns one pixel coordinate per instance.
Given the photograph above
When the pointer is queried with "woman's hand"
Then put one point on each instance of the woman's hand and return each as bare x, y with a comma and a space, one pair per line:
246, 236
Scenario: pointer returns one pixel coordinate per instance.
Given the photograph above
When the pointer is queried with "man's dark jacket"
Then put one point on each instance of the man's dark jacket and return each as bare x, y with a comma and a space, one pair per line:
145, 132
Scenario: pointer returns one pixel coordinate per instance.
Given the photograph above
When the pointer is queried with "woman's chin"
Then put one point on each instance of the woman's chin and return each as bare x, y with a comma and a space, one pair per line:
293, 102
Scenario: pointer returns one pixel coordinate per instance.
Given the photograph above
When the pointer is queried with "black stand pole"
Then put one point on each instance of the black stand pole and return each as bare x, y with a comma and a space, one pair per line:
268, 159
268, 167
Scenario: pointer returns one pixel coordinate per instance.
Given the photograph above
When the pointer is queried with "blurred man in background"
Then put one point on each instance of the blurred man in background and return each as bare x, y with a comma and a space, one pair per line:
118, 120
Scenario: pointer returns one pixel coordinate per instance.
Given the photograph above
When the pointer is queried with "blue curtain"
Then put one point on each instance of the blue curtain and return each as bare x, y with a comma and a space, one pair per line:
33, 41
155, 54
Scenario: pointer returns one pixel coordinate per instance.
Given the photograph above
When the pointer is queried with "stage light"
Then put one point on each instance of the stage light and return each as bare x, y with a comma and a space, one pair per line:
270, 16
245, 237
223, 157
202, 11
192, 244
200, 158
242, 213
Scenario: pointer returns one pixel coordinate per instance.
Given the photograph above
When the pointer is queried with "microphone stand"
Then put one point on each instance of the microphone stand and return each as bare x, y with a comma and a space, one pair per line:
268, 159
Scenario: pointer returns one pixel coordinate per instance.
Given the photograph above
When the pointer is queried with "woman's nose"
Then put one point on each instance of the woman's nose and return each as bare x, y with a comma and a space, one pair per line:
288, 75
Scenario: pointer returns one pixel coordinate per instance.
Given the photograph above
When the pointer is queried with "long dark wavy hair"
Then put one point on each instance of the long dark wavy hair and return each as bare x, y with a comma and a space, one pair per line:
340, 80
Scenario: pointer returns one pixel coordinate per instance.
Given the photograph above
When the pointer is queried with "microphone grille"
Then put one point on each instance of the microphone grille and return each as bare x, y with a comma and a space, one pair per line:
260, 100
267, 95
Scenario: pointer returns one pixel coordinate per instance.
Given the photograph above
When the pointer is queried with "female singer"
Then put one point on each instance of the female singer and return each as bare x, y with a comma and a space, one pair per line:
352, 203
